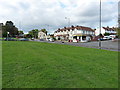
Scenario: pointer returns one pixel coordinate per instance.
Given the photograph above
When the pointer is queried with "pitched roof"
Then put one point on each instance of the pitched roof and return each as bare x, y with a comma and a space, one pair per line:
109, 29
75, 27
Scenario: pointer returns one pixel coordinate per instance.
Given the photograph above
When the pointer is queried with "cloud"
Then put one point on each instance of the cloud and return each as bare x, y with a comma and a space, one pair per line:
32, 14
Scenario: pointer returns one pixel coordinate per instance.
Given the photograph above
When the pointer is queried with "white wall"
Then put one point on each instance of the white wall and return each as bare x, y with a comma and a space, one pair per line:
79, 31
103, 31
41, 35
71, 32
97, 31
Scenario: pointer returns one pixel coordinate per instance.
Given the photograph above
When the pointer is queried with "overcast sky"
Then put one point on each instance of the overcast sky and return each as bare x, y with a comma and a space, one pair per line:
50, 14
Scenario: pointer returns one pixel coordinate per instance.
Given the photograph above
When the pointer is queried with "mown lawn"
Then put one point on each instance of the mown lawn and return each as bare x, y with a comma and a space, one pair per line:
45, 65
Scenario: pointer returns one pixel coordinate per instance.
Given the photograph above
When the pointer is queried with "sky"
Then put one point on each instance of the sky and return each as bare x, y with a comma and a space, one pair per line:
50, 14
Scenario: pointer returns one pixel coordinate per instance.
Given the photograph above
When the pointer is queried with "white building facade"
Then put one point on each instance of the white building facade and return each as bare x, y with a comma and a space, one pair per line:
111, 31
74, 33
42, 35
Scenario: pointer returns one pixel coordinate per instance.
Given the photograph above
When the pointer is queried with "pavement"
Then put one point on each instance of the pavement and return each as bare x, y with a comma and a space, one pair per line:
106, 45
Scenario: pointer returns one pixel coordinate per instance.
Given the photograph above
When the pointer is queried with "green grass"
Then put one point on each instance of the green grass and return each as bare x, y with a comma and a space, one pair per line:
0, 64
45, 65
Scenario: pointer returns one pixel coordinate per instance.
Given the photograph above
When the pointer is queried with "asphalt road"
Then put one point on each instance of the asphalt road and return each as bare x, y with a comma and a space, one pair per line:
107, 45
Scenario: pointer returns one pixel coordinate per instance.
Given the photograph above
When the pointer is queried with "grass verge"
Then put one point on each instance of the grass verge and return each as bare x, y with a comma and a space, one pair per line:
46, 65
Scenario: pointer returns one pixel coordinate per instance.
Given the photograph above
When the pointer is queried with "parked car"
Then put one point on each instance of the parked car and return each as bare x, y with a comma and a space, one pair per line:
10, 39
23, 39
51, 39
101, 39
32, 38
113, 36
42, 40
74, 40
107, 38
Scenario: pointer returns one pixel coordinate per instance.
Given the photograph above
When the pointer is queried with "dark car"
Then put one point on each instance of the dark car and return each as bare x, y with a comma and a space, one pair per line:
42, 40
10, 39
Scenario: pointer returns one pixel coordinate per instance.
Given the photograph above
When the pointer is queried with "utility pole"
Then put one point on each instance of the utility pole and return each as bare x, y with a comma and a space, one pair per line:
119, 14
100, 28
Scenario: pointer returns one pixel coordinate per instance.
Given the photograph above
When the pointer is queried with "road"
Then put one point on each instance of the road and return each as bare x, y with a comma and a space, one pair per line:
107, 45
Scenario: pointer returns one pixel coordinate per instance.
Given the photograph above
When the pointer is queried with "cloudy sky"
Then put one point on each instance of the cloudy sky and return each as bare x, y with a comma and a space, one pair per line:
50, 14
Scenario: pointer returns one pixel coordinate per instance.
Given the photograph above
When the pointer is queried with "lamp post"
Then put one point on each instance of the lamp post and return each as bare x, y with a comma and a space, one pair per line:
7, 35
100, 28
68, 21
119, 14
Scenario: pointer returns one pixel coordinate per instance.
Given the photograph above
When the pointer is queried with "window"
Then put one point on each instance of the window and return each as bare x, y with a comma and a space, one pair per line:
83, 32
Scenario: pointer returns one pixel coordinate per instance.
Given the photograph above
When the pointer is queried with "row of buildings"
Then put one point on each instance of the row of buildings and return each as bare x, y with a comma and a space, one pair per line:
78, 33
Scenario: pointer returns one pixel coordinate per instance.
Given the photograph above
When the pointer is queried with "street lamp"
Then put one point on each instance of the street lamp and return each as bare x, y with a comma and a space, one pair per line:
68, 21
7, 35
119, 14
100, 28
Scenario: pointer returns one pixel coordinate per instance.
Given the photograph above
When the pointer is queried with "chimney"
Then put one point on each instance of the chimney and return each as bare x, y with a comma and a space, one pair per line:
65, 27
72, 26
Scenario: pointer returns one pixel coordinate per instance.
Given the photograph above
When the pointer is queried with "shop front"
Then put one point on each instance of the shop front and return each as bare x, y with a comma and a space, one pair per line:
81, 38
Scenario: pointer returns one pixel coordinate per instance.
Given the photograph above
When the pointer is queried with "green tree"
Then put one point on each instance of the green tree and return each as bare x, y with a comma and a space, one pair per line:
28, 36
106, 34
4, 31
34, 33
44, 30
9, 27
20, 32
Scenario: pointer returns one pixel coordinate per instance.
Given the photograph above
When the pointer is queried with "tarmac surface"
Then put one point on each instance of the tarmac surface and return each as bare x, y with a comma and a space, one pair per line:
107, 45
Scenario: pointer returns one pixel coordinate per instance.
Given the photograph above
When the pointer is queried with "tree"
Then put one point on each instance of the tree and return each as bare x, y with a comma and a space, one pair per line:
9, 27
4, 31
106, 34
44, 30
34, 33
28, 36
20, 32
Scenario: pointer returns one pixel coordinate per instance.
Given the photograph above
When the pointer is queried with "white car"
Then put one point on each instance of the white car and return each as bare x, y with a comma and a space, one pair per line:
113, 36
32, 38
51, 39
74, 40
107, 38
